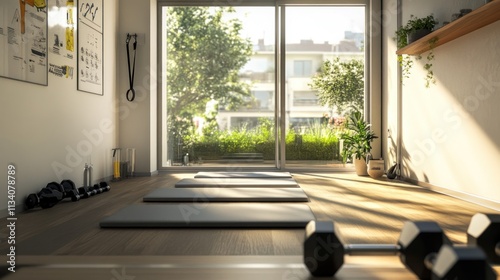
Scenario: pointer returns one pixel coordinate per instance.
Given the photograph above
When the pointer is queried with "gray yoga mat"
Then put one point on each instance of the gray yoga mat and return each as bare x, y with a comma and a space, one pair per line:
227, 215
237, 183
227, 195
235, 174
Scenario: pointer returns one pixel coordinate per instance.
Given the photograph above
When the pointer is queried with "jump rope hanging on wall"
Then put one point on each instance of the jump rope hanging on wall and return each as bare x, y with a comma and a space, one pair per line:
131, 68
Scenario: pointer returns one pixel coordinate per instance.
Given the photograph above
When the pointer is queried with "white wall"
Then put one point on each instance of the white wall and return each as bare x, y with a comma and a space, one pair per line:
138, 119
450, 132
49, 132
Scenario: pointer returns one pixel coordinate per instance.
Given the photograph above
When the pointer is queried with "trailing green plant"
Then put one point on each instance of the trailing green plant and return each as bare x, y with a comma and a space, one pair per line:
429, 77
406, 64
357, 136
414, 24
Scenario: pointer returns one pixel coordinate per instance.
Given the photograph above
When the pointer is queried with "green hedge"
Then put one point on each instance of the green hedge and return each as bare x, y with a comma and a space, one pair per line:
315, 143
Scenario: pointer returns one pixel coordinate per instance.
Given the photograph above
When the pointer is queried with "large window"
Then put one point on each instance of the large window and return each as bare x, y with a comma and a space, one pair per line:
218, 85
227, 91
316, 35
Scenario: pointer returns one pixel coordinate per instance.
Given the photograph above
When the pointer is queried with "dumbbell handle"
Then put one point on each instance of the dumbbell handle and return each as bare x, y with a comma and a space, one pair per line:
384, 249
371, 249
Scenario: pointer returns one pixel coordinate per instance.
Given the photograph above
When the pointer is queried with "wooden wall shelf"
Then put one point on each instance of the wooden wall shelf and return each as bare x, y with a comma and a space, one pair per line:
480, 17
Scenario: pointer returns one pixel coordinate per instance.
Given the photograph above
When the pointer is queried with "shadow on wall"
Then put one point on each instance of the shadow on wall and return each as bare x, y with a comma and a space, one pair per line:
405, 170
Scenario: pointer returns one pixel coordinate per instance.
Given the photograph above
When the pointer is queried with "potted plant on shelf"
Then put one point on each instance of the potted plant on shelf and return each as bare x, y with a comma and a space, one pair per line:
357, 138
415, 29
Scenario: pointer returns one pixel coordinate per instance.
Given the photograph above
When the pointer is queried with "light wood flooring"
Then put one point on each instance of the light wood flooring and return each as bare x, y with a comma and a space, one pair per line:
365, 210
65, 242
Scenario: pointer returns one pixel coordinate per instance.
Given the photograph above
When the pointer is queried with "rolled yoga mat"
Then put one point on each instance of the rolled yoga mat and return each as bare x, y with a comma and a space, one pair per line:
227, 215
228, 174
226, 195
237, 183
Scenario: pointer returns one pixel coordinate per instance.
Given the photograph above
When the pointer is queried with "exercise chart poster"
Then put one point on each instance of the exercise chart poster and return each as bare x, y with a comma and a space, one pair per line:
62, 28
23, 40
90, 42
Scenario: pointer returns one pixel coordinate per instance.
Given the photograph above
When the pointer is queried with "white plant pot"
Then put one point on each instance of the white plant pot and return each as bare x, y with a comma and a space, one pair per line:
376, 168
360, 166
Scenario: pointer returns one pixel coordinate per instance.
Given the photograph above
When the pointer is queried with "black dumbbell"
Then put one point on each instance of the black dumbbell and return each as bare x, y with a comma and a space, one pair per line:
105, 186
98, 188
49, 197
101, 187
484, 232
32, 201
462, 262
46, 198
418, 247
70, 190
57, 187
84, 192
94, 189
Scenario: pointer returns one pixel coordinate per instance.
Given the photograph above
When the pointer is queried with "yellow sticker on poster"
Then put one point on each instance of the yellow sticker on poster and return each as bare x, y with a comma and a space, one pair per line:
70, 39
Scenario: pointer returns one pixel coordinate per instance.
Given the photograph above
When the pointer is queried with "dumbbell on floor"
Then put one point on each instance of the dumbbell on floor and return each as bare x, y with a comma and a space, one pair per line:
101, 187
46, 198
418, 248
70, 190
418, 241
86, 192
462, 262
104, 185
484, 232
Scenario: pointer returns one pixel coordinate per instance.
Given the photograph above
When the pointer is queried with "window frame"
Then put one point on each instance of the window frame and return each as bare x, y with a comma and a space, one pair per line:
373, 67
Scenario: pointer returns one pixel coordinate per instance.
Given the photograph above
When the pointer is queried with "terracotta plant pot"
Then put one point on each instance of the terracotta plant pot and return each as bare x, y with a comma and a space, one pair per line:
360, 167
376, 168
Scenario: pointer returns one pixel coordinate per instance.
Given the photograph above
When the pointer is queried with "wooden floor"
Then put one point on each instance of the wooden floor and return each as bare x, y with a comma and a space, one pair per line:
365, 210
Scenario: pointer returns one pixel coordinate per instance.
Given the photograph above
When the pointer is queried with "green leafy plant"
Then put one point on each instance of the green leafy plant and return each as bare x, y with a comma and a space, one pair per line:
413, 25
357, 136
340, 84
206, 50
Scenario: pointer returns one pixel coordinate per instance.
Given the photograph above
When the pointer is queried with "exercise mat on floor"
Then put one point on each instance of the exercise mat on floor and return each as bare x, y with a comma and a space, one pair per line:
235, 174
201, 195
237, 183
227, 215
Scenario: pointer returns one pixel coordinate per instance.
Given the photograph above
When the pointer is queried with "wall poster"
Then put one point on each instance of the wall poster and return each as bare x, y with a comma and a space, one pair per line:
90, 46
23, 40
62, 36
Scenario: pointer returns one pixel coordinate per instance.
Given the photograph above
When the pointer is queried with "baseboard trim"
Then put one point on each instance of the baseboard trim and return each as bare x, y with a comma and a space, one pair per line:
146, 174
460, 195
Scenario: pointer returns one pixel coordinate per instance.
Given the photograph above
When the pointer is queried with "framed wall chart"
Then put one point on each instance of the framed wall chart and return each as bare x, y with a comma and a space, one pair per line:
62, 38
90, 46
23, 40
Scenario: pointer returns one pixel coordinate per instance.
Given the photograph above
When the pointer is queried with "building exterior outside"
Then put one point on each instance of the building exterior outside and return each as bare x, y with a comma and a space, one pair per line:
303, 60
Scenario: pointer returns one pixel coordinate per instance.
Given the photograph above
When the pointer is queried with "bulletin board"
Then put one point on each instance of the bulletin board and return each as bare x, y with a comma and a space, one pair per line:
90, 46
23, 40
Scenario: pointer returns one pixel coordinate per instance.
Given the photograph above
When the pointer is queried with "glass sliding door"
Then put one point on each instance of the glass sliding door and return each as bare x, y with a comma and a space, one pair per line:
324, 76
218, 86
248, 86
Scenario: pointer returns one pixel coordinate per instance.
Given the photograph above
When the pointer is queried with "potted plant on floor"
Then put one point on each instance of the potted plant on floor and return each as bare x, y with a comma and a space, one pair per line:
357, 139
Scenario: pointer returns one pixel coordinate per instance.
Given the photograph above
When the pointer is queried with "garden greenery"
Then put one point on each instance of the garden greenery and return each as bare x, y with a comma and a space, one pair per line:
315, 142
